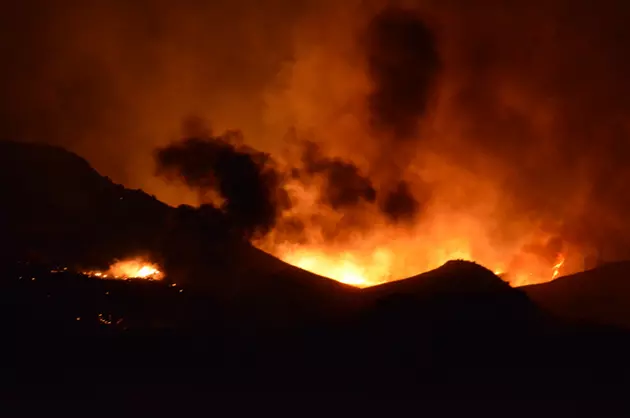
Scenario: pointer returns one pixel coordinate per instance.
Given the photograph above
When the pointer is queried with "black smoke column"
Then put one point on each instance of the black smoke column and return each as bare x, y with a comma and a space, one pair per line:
403, 62
244, 177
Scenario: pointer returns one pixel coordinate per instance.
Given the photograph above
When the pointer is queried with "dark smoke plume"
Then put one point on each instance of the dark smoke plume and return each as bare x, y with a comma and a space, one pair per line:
532, 95
400, 204
345, 186
242, 176
402, 62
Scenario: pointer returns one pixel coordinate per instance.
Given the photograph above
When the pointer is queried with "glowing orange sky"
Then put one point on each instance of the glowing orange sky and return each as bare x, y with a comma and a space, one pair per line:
527, 131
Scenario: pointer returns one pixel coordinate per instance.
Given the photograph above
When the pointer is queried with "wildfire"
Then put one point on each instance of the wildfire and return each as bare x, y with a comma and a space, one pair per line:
129, 269
360, 246
350, 269
385, 253
556, 268
343, 267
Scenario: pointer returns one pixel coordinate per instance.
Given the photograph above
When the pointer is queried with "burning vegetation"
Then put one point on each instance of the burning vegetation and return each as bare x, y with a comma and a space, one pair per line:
136, 268
323, 214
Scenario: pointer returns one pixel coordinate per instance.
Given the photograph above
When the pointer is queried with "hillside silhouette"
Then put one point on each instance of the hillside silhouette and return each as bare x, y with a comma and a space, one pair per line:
60, 211
229, 315
57, 208
600, 295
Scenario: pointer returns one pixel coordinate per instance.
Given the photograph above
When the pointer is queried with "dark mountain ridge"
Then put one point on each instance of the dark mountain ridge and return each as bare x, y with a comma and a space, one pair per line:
240, 317
599, 296
59, 211
57, 208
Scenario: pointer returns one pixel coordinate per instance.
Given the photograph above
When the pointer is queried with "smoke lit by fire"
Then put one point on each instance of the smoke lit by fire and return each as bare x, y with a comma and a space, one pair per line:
332, 219
379, 139
381, 257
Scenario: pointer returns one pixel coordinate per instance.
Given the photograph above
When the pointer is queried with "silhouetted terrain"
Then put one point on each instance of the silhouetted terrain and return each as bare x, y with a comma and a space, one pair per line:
56, 208
59, 211
600, 295
66, 328
230, 316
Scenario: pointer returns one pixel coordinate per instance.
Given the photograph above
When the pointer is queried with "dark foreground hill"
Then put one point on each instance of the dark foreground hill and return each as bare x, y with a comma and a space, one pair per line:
57, 210
460, 304
69, 331
238, 318
600, 295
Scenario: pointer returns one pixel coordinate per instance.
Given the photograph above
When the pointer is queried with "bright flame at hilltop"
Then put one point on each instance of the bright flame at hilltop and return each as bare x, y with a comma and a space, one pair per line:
378, 251
129, 269
378, 267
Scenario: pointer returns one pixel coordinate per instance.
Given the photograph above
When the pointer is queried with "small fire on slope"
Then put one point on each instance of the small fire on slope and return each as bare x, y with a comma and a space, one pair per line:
136, 268
558, 266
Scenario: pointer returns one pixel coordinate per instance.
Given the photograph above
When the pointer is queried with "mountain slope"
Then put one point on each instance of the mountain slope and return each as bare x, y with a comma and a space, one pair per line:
58, 210
601, 295
457, 291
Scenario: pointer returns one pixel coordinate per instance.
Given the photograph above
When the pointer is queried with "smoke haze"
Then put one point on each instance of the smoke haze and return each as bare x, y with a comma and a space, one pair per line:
515, 112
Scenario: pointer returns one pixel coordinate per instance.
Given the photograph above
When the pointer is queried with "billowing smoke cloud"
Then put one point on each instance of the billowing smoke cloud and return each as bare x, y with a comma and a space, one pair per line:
243, 177
250, 188
400, 204
403, 62
531, 107
345, 186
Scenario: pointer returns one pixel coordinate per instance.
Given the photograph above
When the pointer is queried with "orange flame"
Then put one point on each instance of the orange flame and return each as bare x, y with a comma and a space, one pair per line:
373, 269
388, 253
361, 247
137, 268
556, 268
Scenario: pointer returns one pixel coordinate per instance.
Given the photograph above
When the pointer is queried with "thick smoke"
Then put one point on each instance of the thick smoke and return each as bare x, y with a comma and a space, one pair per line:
243, 177
403, 62
345, 186
400, 204
532, 101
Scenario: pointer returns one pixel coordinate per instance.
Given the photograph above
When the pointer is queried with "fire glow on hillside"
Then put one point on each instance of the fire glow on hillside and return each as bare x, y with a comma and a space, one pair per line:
437, 130
387, 254
136, 268
402, 152
345, 269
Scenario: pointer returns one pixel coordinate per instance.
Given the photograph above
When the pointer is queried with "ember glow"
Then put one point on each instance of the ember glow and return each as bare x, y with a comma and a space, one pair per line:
129, 269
